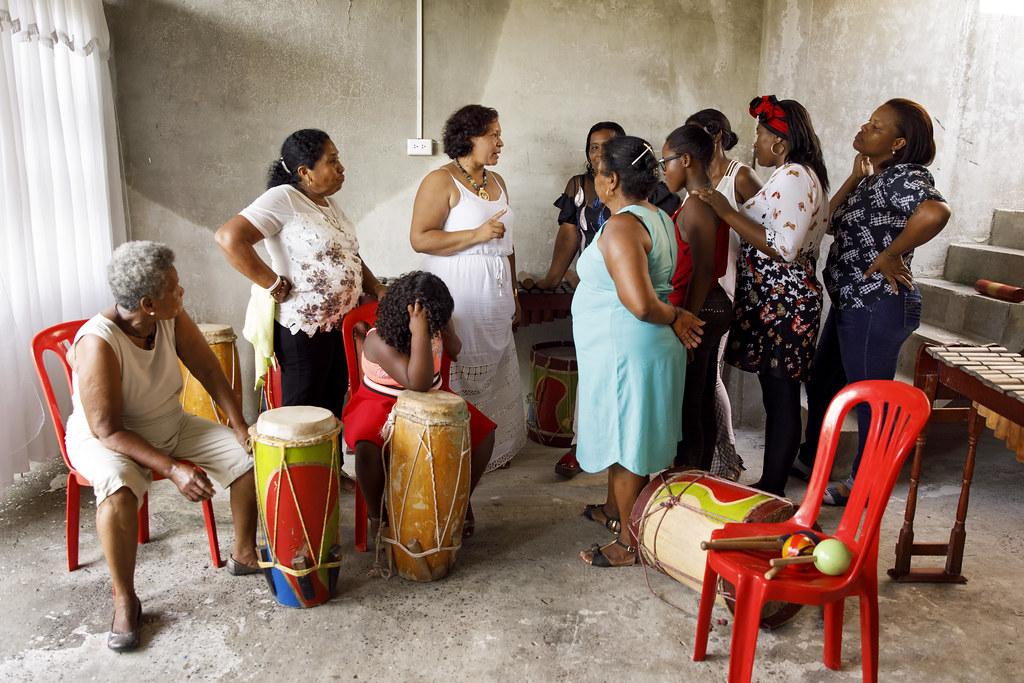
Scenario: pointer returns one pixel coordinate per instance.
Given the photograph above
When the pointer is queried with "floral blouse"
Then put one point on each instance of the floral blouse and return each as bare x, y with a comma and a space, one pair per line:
316, 248
868, 221
778, 300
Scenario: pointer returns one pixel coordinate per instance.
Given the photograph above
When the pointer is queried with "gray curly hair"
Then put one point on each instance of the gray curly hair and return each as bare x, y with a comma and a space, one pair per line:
138, 269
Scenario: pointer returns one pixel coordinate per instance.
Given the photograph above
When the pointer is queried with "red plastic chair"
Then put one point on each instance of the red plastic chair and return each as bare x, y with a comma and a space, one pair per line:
353, 328
898, 412
58, 339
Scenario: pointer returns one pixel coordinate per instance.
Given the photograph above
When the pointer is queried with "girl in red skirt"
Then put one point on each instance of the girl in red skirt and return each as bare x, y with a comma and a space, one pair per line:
404, 352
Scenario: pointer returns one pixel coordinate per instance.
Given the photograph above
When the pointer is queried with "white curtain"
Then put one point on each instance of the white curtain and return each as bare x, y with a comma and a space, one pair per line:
61, 196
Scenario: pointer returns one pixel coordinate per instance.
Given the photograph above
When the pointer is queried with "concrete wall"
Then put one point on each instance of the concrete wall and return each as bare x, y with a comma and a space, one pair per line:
962, 62
207, 90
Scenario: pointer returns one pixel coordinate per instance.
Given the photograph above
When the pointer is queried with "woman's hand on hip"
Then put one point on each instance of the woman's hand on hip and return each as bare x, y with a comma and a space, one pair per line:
492, 229
687, 327
893, 269
282, 290
191, 481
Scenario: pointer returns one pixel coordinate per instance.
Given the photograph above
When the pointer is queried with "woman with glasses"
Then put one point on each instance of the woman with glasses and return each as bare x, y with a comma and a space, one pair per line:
462, 224
778, 296
629, 339
703, 244
737, 182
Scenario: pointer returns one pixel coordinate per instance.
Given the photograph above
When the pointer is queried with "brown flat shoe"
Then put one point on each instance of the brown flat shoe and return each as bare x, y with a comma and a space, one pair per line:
236, 568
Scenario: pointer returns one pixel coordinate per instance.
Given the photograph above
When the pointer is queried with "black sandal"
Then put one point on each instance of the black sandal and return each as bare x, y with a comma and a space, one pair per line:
613, 524
599, 559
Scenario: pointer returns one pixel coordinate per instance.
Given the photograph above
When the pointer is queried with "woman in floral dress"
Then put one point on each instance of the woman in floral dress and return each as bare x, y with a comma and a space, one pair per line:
316, 275
778, 296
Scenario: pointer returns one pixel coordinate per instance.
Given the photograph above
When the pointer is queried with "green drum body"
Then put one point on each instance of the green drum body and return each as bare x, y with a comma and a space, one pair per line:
553, 401
297, 470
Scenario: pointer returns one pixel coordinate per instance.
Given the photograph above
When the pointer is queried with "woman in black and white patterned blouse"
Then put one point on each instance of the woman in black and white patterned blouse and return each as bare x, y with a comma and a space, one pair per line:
886, 208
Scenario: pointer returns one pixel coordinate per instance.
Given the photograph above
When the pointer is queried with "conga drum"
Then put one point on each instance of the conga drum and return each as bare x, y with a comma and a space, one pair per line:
297, 466
679, 509
427, 484
553, 401
194, 398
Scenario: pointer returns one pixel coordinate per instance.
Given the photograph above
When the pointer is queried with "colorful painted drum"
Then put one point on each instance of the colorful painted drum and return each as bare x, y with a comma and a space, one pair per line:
428, 483
194, 398
679, 509
297, 466
553, 401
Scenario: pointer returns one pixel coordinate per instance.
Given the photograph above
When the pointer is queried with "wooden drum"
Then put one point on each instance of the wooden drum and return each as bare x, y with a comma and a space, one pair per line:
194, 398
552, 403
679, 509
297, 469
427, 484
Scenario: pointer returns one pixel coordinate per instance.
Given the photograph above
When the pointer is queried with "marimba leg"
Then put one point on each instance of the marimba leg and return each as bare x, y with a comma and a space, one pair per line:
905, 543
958, 536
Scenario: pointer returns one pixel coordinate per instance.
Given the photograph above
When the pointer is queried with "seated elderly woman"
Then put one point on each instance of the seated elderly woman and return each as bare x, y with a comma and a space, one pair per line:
127, 421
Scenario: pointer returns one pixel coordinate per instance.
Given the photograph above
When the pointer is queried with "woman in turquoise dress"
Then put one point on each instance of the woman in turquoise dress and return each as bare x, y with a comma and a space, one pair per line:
629, 340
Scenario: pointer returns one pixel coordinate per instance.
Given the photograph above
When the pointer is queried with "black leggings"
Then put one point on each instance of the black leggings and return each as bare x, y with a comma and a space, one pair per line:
313, 369
700, 426
781, 397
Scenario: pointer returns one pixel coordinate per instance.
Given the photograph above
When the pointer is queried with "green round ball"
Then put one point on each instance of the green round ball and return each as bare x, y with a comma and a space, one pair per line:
832, 557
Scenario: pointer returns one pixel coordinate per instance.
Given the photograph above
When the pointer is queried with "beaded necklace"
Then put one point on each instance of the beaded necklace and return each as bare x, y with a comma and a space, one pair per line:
481, 190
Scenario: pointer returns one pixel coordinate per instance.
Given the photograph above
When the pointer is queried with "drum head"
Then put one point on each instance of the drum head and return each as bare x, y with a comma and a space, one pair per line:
296, 423
217, 333
431, 407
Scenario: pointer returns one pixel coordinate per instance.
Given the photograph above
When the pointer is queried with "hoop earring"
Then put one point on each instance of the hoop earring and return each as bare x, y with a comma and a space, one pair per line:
778, 142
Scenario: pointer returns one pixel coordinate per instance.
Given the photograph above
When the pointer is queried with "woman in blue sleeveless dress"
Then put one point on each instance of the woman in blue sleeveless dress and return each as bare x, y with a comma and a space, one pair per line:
631, 362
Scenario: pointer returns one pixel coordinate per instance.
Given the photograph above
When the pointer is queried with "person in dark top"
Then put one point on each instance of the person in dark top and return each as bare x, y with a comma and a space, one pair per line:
886, 208
580, 215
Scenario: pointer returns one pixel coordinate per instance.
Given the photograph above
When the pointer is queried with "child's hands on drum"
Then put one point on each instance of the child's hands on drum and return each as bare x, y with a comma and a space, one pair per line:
418, 323
687, 327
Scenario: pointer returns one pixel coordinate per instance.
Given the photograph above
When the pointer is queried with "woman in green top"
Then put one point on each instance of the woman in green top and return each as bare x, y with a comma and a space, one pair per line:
631, 362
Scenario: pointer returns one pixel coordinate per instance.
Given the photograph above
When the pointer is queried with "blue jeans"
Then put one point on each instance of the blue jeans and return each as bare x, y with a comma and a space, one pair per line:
857, 344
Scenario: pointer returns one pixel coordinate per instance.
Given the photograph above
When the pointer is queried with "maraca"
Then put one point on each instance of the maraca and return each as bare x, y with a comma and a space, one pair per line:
800, 543
762, 542
829, 557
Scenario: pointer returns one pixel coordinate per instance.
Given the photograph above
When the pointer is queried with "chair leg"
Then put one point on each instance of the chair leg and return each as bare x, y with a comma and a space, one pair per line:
746, 621
360, 521
144, 520
834, 634
211, 534
707, 604
71, 515
869, 634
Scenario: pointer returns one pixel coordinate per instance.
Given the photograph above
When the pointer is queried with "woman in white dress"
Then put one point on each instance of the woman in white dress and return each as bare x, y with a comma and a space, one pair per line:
462, 224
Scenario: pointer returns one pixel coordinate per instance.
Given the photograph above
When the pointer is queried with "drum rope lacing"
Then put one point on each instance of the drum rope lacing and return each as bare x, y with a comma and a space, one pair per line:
271, 542
425, 445
672, 500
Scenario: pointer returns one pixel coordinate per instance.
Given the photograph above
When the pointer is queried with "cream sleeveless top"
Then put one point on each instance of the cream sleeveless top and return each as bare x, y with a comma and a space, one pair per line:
472, 211
150, 383
727, 186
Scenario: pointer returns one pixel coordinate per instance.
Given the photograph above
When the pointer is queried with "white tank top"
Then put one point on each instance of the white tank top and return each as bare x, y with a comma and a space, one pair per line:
150, 383
727, 186
472, 211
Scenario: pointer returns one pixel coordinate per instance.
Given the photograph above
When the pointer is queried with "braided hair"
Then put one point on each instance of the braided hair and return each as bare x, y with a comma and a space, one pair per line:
393, 311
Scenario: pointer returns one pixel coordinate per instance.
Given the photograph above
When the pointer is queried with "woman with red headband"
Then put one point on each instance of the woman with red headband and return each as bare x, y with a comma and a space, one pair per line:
885, 209
778, 296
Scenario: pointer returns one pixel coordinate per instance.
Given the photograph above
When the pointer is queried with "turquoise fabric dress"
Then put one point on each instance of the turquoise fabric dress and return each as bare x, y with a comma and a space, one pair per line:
631, 373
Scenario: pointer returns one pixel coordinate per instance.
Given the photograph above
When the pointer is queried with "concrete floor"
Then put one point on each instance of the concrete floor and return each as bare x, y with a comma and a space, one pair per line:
519, 605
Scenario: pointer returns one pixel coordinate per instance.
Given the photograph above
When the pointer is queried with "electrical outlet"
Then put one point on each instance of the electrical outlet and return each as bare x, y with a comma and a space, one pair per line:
419, 147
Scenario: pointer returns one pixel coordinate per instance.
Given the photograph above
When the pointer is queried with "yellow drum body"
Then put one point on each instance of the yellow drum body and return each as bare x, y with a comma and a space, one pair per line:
428, 483
194, 398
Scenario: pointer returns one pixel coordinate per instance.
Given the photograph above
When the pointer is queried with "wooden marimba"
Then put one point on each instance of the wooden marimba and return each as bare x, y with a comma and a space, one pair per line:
544, 305
992, 379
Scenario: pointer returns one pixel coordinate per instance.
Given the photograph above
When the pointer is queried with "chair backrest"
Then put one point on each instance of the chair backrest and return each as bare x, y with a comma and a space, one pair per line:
353, 333
57, 339
898, 413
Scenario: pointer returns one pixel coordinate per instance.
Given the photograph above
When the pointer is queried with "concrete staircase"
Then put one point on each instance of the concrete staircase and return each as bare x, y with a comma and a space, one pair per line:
952, 312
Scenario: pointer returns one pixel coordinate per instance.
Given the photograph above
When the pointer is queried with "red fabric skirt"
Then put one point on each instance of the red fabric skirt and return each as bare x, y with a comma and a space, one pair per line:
367, 411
